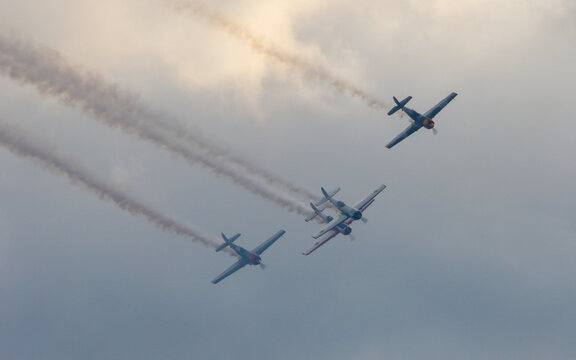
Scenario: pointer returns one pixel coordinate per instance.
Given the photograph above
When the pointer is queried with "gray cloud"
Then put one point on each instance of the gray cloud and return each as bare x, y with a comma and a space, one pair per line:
468, 253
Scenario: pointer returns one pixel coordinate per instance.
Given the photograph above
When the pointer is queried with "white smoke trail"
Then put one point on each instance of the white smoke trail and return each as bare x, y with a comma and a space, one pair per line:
53, 76
242, 33
22, 145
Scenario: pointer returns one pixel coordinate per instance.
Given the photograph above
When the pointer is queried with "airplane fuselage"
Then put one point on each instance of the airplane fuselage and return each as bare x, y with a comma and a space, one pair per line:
252, 258
355, 214
418, 118
342, 228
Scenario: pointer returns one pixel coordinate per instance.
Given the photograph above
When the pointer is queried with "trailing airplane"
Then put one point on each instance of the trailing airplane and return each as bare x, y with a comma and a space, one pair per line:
246, 257
341, 224
322, 201
419, 120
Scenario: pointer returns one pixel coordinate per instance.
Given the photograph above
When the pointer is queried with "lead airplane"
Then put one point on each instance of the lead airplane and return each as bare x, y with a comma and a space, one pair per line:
341, 224
246, 257
418, 120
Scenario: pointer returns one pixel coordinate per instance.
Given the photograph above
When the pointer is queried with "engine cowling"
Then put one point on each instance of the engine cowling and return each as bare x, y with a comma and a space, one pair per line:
254, 259
346, 230
428, 123
349, 211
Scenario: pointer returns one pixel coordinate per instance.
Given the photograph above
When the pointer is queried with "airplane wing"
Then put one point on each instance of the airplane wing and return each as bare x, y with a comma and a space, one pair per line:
266, 244
231, 270
404, 134
321, 242
331, 225
365, 202
436, 109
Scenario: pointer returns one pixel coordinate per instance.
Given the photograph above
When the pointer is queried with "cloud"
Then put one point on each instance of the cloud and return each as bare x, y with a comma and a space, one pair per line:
468, 254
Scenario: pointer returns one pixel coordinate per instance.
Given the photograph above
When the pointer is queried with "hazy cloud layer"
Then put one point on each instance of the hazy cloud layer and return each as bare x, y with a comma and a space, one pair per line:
467, 254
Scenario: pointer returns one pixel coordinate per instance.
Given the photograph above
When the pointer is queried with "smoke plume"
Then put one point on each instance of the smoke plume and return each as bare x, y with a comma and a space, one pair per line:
242, 33
52, 75
19, 144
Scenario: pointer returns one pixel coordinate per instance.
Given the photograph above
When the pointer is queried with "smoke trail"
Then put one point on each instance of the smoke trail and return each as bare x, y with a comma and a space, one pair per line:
52, 75
242, 33
17, 143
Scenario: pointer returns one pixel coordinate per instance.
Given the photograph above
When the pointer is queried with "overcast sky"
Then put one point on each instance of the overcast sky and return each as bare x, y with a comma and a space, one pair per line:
468, 253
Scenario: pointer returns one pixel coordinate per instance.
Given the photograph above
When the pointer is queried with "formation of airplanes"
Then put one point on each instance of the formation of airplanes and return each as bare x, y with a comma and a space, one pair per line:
346, 215
341, 224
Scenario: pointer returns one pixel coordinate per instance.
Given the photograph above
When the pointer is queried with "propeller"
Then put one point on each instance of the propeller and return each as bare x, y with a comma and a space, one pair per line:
262, 266
352, 238
434, 131
364, 220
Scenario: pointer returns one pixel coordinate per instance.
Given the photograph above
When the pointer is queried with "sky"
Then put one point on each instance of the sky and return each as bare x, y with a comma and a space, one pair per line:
468, 253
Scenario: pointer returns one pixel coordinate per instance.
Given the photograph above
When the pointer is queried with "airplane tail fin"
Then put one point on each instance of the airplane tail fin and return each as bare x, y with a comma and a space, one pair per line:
227, 242
399, 104
326, 194
318, 212
323, 200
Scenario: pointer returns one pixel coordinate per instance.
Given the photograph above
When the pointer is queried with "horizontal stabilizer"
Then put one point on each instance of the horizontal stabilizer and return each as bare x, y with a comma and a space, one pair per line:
399, 104
227, 241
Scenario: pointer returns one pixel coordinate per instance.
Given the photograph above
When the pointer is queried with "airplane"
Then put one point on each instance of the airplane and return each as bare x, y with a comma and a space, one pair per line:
419, 120
342, 228
340, 225
246, 257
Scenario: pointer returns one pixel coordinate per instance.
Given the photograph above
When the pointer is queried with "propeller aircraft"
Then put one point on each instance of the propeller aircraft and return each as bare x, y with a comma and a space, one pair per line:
246, 257
418, 120
341, 224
